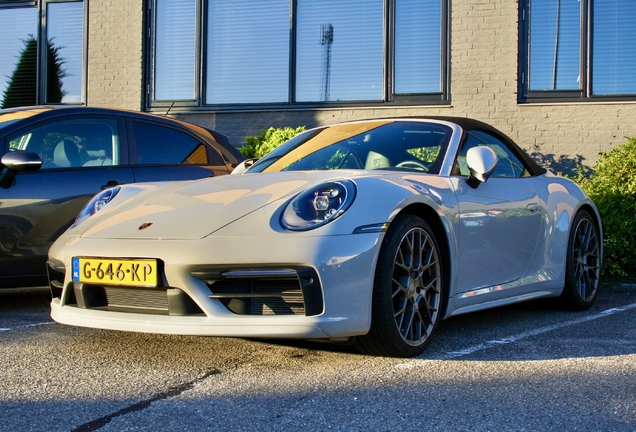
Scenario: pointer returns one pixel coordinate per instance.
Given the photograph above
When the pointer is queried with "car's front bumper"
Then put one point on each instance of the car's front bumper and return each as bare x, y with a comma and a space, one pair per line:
343, 265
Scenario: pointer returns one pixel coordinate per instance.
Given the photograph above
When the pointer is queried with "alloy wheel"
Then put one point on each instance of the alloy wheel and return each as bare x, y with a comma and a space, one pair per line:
586, 259
416, 287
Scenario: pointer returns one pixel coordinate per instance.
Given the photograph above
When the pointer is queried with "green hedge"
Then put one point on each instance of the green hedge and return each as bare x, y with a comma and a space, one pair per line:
259, 146
612, 187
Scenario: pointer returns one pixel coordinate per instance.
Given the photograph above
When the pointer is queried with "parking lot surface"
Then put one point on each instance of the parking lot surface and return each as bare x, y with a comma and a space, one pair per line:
526, 367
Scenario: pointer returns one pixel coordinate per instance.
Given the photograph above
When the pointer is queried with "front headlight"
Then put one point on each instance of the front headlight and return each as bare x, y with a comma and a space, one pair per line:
319, 205
96, 204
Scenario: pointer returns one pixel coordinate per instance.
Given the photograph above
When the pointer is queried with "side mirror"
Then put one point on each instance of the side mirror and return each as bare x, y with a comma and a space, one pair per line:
482, 162
15, 162
244, 166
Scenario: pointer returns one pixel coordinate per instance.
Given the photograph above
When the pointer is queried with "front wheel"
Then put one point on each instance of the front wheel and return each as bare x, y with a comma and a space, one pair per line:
583, 263
407, 291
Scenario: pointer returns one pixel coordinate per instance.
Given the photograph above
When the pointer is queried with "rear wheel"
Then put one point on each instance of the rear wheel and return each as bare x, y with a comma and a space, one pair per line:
407, 291
583, 263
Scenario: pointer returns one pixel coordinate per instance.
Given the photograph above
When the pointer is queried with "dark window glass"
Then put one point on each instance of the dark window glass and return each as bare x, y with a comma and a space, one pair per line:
18, 57
614, 47
578, 49
65, 51
72, 143
418, 46
247, 51
175, 48
163, 145
228, 52
555, 44
36, 70
339, 54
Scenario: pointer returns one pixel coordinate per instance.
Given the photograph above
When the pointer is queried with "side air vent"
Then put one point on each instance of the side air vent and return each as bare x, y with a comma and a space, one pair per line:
56, 272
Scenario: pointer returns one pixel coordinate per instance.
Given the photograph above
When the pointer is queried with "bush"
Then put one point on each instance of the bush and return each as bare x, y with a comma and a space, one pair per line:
259, 146
612, 187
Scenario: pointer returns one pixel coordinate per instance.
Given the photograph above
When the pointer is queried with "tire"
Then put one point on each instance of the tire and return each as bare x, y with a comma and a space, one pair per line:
407, 291
582, 264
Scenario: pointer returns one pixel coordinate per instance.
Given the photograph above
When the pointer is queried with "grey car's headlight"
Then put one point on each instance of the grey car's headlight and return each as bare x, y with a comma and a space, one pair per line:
319, 205
96, 204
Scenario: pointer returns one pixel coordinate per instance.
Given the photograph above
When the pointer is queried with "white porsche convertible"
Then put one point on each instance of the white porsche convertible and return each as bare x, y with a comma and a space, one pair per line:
371, 231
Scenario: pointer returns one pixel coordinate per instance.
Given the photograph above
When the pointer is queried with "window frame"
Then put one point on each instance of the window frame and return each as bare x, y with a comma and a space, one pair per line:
390, 98
42, 60
150, 59
584, 94
440, 97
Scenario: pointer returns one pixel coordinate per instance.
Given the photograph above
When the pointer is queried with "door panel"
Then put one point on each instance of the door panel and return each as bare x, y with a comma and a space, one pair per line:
500, 224
41, 205
80, 155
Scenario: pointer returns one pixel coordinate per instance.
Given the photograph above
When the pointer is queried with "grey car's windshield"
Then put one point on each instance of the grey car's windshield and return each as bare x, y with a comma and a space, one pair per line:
373, 145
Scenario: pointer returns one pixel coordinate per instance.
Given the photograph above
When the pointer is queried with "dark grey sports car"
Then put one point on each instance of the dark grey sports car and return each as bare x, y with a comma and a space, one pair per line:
56, 158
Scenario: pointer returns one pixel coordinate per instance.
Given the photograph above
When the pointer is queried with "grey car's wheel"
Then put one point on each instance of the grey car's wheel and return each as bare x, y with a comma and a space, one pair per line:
407, 292
583, 263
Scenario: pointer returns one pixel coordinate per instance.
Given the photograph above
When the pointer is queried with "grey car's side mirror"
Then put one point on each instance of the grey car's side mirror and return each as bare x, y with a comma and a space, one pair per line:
482, 162
17, 161
244, 166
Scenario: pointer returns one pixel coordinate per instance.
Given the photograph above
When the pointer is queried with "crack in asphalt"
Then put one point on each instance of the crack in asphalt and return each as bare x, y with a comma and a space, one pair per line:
141, 405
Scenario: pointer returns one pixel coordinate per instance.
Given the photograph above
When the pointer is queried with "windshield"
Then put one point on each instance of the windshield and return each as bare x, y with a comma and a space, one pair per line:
373, 145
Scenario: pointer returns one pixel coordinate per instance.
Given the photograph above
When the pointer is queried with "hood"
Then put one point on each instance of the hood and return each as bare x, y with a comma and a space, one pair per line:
195, 209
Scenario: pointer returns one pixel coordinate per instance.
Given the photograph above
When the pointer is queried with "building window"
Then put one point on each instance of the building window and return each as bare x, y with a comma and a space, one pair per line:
339, 49
229, 53
418, 38
247, 52
42, 56
577, 49
175, 50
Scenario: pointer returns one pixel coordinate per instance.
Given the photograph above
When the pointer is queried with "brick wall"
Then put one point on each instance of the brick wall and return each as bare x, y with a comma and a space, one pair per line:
115, 53
484, 45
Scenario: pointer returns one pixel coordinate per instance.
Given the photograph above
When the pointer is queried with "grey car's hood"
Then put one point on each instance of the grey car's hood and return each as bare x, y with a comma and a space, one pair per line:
190, 210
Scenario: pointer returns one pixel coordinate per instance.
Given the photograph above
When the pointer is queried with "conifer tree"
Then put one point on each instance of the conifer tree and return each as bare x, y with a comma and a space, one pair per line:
22, 88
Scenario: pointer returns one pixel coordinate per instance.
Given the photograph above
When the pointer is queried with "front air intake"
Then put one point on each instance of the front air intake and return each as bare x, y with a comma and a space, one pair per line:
154, 301
265, 291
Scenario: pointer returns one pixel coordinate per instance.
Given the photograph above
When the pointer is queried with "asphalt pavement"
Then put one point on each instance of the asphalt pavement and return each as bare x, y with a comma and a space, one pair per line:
526, 367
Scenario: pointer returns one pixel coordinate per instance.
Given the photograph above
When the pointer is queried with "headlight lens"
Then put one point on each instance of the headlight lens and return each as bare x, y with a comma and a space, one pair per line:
96, 204
319, 205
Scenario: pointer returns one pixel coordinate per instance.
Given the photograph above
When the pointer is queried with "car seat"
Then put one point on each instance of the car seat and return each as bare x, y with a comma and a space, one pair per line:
98, 149
376, 161
66, 155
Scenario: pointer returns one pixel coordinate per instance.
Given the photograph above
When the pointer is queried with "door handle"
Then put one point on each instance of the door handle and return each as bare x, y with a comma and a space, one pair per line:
533, 207
110, 184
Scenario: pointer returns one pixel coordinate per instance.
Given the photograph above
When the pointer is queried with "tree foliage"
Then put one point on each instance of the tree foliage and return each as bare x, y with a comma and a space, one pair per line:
22, 88
259, 146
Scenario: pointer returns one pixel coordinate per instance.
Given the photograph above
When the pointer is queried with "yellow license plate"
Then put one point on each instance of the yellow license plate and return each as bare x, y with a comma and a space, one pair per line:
115, 271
